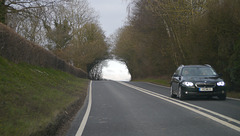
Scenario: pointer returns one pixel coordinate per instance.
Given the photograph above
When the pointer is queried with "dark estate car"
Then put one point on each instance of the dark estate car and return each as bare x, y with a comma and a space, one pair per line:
197, 80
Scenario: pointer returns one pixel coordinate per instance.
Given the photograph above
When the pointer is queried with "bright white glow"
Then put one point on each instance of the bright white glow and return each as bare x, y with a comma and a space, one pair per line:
116, 70
221, 83
112, 16
188, 84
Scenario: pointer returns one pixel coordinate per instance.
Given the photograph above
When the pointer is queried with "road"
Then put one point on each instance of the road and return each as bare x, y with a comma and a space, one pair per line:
144, 109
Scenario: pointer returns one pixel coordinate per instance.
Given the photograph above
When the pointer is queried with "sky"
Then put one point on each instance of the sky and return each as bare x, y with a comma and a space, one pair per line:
112, 16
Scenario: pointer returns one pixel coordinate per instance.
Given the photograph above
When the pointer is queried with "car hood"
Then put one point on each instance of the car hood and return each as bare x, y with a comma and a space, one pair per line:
202, 78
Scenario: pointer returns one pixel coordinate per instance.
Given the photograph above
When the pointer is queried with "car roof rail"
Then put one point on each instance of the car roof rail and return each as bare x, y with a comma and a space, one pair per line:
208, 65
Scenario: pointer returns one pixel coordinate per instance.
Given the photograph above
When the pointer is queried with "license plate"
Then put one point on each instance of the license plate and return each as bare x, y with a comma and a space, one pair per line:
205, 89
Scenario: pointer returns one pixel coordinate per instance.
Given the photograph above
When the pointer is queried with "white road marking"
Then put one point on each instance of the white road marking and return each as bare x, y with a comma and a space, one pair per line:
181, 103
170, 87
236, 99
203, 109
85, 118
158, 85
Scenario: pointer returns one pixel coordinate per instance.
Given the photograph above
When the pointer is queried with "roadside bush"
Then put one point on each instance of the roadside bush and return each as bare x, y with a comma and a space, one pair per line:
234, 66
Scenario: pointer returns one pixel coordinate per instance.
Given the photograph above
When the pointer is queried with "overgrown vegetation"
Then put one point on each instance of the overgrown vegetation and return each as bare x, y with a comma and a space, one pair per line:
163, 34
31, 97
18, 49
68, 28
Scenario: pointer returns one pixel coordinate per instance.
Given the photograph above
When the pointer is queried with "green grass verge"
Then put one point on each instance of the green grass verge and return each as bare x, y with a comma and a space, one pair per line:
233, 94
166, 82
31, 97
158, 81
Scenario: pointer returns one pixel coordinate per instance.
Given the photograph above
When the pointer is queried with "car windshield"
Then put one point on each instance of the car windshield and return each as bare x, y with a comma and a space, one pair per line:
198, 71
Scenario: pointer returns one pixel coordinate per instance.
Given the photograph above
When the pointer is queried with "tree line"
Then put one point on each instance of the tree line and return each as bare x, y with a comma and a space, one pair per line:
68, 28
160, 35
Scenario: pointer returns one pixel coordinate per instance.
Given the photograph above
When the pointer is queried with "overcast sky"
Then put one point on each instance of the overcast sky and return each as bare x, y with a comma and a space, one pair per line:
112, 15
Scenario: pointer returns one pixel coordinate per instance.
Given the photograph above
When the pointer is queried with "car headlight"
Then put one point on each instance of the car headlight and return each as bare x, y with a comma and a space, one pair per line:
188, 84
221, 83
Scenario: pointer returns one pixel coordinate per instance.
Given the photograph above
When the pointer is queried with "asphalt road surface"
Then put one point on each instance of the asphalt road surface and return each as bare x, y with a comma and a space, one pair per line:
144, 109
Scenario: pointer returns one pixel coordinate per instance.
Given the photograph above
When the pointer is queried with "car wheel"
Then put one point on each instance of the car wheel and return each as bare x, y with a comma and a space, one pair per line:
222, 97
171, 93
181, 96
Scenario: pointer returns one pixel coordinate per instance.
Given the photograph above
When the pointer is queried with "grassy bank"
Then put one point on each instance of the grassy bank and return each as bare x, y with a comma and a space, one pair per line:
160, 81
31, 97
166, 82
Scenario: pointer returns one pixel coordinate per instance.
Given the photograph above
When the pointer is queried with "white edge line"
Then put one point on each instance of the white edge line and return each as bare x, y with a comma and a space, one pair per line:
170, 87
85, 118
158, 85
200, 108
236, 99
184, 106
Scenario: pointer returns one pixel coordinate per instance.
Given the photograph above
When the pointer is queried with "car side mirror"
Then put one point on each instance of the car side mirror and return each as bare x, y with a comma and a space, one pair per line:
175, 75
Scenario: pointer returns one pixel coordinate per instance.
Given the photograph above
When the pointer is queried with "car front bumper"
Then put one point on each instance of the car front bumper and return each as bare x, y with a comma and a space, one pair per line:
217, 91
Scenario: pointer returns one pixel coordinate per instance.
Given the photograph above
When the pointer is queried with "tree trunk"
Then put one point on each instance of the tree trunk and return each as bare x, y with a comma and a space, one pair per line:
3, 13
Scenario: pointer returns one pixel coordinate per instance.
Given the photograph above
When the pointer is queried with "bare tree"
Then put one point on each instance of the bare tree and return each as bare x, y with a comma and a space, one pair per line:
21, 7
68, 28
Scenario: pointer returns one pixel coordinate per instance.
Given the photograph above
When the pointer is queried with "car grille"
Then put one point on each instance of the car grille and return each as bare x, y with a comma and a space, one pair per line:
205, 85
